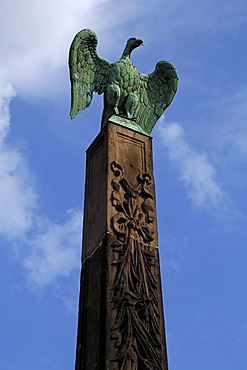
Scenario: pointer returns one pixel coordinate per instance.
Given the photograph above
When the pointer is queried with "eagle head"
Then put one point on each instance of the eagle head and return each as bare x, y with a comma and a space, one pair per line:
132, 43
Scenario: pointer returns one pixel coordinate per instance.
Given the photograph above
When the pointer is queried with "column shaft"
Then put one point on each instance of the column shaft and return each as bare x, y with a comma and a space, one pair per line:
121, 323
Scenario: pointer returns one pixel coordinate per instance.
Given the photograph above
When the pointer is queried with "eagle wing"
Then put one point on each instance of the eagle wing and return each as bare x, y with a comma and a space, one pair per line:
156, 93
88, 72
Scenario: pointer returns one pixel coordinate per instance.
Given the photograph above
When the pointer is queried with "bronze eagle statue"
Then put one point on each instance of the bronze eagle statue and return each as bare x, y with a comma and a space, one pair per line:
128, 93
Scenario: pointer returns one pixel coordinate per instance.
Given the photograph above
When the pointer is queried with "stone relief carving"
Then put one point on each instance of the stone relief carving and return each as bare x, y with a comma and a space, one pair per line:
135, 332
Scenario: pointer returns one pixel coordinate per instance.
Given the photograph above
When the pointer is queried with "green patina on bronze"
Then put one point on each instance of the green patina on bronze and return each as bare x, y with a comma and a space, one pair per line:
141, 98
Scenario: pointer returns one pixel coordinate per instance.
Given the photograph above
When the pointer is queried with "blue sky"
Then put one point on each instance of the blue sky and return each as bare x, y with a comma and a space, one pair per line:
200, 154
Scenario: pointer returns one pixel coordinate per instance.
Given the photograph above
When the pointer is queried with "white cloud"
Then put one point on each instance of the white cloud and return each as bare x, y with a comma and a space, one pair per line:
197, 173
51, 252
55, 251
36, 40
7, 93
17, 197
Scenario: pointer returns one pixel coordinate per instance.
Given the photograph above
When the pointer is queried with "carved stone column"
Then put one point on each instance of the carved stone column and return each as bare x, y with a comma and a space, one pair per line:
121, 323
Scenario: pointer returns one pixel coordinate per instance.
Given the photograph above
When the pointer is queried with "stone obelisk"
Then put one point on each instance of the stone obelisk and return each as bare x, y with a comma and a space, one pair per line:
121, 323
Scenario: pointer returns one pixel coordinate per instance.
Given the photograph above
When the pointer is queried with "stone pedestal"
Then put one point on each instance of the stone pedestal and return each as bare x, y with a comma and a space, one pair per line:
121, 323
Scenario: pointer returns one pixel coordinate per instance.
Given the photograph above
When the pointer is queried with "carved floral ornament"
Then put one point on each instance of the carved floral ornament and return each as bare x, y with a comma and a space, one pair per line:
135, 332
132, 215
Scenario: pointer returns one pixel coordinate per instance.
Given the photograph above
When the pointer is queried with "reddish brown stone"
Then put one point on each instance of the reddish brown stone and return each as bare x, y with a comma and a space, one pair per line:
121, 324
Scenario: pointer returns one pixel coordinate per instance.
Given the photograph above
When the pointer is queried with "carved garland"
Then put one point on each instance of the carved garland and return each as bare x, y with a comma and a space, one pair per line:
136, 329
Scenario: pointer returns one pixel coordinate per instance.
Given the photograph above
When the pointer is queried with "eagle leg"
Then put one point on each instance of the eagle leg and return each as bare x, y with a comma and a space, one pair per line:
113, 97
111, 102
131, 104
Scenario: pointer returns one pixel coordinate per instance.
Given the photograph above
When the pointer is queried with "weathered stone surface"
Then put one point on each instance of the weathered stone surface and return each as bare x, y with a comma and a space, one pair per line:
121, 324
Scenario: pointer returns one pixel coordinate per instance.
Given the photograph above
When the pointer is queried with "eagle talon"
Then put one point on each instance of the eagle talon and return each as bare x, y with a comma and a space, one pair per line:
123, 116
116, 110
